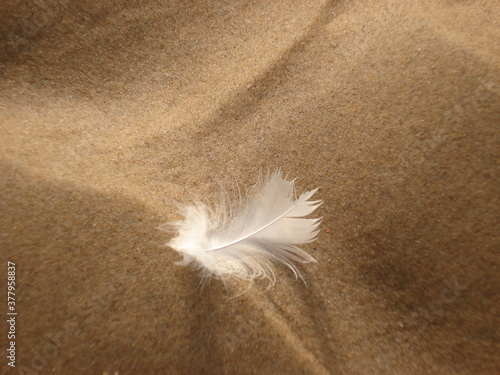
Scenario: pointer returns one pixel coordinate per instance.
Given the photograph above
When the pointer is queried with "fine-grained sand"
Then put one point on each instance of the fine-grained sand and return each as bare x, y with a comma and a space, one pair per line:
110, 113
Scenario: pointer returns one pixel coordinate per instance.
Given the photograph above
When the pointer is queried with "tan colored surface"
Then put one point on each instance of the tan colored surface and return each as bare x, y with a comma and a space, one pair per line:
109, 113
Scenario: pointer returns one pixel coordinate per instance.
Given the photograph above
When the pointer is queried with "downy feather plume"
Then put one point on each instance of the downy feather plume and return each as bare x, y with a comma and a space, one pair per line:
243, 241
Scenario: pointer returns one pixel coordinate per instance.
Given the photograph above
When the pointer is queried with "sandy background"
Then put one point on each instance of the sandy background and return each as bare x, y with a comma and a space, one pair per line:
109, 113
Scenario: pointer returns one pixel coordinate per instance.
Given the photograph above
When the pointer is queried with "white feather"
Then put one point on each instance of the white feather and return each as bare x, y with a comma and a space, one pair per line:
242, 242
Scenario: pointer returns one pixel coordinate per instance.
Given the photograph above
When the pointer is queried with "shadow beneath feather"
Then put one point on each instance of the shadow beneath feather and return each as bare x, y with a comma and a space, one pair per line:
92, 262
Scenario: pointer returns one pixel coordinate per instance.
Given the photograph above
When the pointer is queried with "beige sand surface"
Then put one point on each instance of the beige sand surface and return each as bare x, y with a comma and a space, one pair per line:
109, 113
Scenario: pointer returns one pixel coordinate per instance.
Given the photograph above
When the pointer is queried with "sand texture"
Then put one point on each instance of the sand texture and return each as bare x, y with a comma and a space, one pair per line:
111, 112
